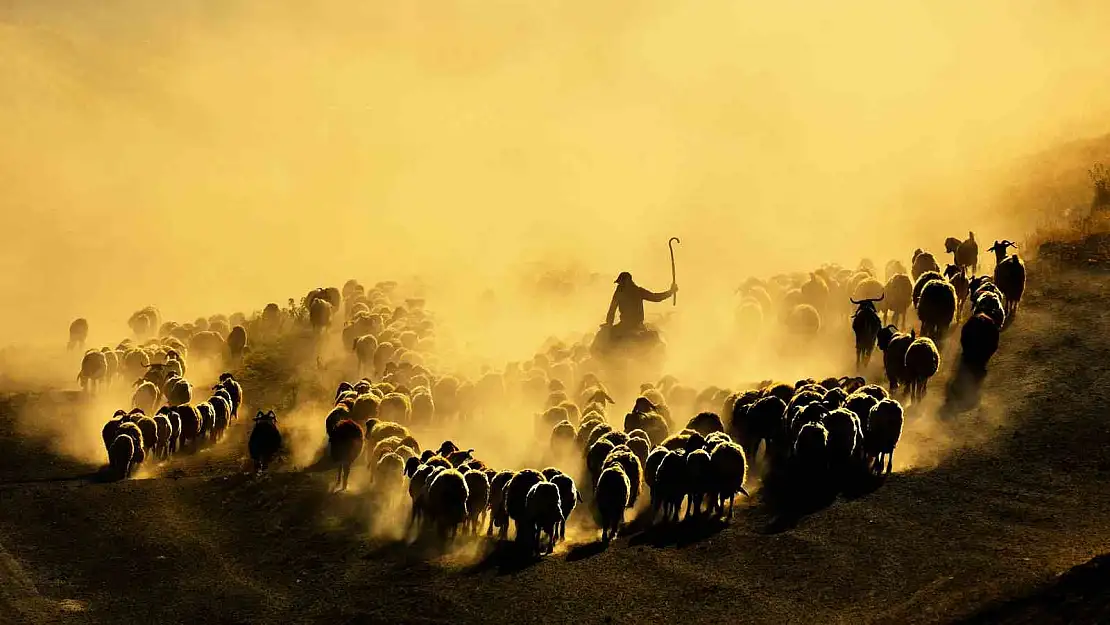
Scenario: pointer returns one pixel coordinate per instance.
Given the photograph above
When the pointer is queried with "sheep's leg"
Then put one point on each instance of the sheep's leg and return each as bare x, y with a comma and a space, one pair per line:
731, 500
889, 462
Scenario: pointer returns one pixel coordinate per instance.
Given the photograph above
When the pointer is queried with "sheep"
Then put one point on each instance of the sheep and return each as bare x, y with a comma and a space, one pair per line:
980, 285
616, 437
110, 430
936, 308
265, 440
894, 267
120, 456
834, 398
388, 478
965, 254
94, 370
860, 404
923, 262
499, 512
804, 321
478, 499
641, 447
611, 497
553, 416
874, 390
134, 362
420, 477
545, 513
458, 457
706, 422
921, 281
729, 467
628, 461
383, 447
362, 408
136, 435
762, 422
78, 333
234, 391
699, 472
894, 345
149, 428
220, 326
447, 501
562, 438
180, 392
175, 428
144, 322
958, 279
865, 325
365, 347
884, 428
922, 363
845, 434
596, 433
978, 341
395, 407
236, 343
651, 423
344, 447
989, 303
815, 291
112, 361
221, 412
568, 497
516, 500
810, 451
812, 413
191, 421
319, 314
207, 345
1009, 275
595, 457
669, 483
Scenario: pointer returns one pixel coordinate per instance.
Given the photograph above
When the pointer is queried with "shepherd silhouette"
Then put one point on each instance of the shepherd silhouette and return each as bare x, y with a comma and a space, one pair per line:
629, 298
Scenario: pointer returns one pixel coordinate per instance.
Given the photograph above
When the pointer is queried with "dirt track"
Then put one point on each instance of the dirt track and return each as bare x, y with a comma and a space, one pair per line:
205, 543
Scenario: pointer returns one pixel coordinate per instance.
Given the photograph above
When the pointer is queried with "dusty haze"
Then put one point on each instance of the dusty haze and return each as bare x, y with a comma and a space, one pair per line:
210, 157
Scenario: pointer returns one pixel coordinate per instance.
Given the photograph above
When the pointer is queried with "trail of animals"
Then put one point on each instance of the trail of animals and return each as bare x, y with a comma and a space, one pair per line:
687, 452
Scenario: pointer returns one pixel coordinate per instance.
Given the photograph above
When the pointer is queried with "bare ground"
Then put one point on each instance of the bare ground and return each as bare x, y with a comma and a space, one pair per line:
981, 536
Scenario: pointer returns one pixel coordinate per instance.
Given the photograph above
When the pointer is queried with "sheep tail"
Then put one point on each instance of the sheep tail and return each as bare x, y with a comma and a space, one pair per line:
744, 492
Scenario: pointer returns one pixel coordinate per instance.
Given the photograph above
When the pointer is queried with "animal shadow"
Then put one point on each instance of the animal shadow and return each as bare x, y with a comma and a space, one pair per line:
506, 558
964, 391
682, 534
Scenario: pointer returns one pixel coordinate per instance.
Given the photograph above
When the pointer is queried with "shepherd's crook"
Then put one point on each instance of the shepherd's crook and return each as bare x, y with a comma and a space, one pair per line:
670, 245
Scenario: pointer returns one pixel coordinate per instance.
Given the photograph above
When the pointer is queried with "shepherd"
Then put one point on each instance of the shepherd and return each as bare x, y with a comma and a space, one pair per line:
629, 299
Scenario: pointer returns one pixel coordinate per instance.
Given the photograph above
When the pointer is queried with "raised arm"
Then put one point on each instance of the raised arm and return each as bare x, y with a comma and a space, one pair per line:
656, 297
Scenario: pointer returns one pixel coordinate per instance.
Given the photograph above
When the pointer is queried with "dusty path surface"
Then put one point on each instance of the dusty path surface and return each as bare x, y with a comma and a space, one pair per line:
964, 539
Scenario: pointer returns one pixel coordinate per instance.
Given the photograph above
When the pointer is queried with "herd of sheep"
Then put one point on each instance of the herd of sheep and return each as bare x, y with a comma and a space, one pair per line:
677, 448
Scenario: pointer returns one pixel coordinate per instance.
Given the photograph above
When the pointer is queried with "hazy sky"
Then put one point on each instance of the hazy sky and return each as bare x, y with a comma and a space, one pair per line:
213, 156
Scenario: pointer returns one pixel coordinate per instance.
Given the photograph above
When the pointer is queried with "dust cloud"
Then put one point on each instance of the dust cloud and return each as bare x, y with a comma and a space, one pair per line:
202, 157
506, 161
